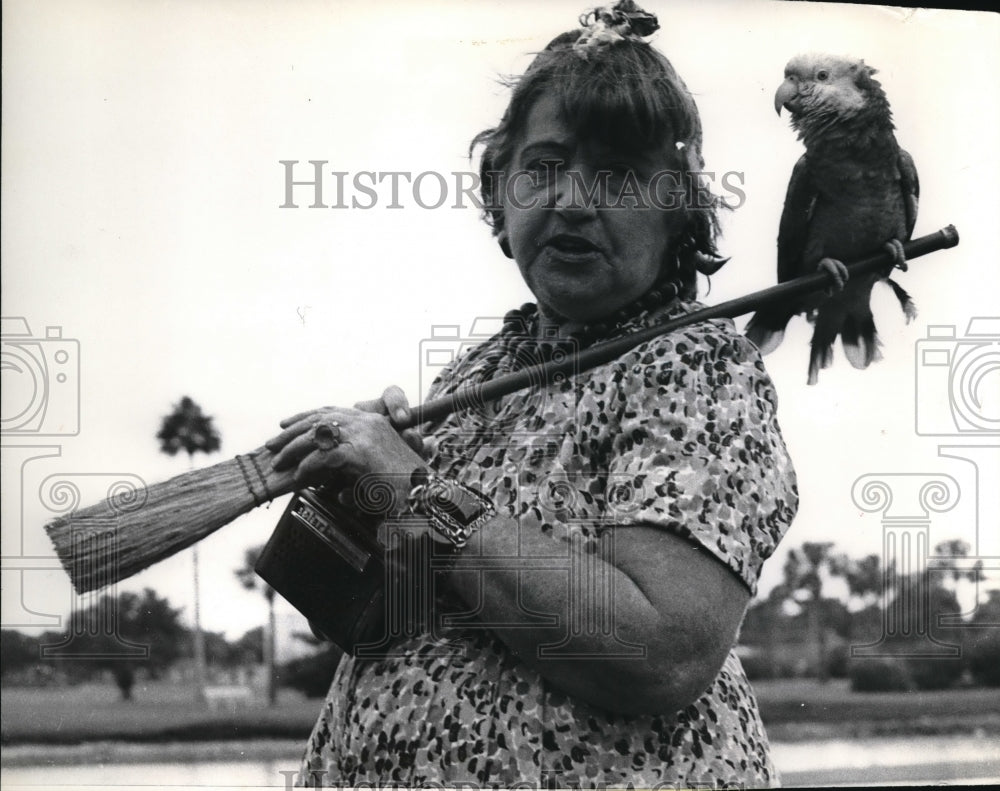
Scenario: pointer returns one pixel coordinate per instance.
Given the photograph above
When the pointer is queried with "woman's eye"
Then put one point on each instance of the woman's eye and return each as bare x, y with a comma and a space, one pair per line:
543, 165
822, 75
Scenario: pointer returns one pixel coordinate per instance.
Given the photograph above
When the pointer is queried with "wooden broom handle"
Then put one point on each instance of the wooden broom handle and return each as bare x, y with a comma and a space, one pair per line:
250, 480
598, 354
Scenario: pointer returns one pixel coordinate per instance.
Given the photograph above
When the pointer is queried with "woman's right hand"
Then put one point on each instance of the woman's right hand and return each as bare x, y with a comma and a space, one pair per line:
367, 440
395, 406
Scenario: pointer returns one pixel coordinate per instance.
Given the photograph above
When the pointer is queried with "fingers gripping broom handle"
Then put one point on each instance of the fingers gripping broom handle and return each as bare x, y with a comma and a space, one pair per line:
482, 393
124, 535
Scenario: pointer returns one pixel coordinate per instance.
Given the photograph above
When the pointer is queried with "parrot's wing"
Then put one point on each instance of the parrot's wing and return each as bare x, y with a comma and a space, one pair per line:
794, 228
910, 185
767, 326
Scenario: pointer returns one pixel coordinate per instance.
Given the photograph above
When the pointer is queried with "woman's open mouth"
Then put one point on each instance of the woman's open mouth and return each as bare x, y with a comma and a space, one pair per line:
571, 244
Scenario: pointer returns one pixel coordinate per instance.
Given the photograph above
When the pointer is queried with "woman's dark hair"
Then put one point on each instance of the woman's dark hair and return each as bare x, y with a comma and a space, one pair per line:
625, 95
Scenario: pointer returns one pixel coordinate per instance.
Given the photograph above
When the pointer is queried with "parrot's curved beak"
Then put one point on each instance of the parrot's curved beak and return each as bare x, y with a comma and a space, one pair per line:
786, 92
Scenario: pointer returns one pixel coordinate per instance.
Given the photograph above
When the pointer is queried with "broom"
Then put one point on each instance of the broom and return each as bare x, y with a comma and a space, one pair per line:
122, 536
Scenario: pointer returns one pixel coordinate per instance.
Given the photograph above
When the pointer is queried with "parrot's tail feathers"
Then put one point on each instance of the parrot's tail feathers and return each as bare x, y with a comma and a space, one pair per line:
766, 330
863, 354
820, 357
765, 340
905, 302
861, 343
821, 354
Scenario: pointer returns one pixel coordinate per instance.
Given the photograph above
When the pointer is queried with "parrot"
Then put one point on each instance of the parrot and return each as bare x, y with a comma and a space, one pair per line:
852, 192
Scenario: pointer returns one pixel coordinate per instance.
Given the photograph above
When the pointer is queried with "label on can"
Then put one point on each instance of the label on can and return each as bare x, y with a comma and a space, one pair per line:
328, 531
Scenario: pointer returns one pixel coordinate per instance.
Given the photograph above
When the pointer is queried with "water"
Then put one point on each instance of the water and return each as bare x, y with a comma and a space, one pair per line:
911, 760
147, 776
932, 759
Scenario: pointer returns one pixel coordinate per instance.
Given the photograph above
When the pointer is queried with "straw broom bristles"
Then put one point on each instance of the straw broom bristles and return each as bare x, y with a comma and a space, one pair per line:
137, 528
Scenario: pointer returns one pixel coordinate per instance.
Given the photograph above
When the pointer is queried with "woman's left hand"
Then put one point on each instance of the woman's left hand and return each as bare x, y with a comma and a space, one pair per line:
343, 445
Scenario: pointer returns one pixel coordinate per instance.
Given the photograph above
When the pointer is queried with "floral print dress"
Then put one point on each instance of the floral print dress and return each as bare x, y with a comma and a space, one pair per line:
679, 433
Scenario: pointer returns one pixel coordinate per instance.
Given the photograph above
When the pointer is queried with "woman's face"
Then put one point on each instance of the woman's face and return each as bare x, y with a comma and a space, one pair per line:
584, 258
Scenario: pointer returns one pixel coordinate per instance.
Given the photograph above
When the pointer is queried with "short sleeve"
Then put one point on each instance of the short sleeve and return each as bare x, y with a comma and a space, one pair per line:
699, 441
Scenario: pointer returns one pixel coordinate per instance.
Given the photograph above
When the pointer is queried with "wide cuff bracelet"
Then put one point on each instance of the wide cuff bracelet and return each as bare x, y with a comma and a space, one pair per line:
455, 511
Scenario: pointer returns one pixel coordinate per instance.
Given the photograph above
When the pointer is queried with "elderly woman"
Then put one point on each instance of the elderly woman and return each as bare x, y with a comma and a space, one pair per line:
611, 525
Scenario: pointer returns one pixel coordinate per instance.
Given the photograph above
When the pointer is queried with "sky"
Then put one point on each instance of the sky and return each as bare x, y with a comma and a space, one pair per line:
142, 186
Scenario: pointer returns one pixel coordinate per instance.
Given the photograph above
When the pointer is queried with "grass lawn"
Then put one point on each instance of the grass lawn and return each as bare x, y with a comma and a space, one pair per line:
161, 711
803, 709
164, 712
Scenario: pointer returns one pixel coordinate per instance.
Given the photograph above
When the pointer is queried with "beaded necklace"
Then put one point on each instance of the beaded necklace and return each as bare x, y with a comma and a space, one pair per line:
523, 342
523, 336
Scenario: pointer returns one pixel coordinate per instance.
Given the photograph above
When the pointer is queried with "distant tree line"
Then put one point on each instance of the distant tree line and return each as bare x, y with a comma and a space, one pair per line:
127, 638
798, 630
892, 631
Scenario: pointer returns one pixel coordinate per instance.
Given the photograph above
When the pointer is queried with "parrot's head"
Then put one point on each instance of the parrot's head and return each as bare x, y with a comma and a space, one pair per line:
820, 89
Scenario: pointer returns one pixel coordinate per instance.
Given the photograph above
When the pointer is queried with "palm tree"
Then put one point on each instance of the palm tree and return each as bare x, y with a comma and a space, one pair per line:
803, 583
251, 581
187, 428
866, 582
949, 553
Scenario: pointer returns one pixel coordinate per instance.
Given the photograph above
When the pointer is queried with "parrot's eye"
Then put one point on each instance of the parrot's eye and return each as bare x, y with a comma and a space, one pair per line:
822, 75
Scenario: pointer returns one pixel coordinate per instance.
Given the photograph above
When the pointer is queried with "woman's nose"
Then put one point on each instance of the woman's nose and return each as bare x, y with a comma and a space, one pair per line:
577, 192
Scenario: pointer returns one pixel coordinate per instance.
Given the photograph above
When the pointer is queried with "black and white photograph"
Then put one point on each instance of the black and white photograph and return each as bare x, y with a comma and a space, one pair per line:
499, 395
